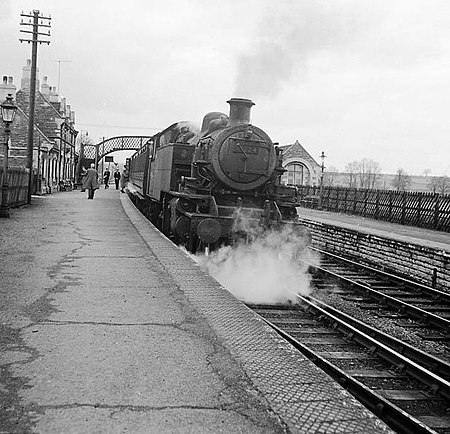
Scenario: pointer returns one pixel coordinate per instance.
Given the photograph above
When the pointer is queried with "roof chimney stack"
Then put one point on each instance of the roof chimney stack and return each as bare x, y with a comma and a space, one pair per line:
7, 87
26, 76
45, 88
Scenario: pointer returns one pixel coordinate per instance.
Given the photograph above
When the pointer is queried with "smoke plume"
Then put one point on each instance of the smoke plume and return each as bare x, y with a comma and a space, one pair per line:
291, 35
265, 271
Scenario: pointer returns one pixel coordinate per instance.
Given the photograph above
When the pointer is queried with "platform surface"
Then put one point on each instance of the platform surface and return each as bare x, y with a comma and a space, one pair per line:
410, 234
107, 327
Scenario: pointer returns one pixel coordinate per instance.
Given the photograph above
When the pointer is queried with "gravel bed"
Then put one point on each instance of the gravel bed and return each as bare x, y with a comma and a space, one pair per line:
335, 347
349, 365
387, 325
422, 408
393, 384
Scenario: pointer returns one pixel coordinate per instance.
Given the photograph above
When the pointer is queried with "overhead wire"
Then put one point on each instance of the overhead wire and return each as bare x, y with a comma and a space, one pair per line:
118, 126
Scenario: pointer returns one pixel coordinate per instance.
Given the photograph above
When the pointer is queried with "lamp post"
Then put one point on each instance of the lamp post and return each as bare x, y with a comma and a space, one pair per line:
8, 112
322, 167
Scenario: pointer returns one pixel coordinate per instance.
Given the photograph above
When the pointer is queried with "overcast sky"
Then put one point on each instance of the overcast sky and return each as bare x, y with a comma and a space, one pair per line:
354, 78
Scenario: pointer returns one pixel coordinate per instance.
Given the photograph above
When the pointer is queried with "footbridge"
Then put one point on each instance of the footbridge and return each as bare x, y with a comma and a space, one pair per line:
93, 153
112, 144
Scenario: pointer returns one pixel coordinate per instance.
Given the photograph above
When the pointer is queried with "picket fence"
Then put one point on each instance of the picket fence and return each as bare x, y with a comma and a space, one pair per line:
17, 186
425, 210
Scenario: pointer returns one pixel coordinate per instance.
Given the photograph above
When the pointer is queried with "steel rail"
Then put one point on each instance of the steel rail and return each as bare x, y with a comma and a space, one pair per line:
434, 364
427, 318
435, 293
433, 381
391, 414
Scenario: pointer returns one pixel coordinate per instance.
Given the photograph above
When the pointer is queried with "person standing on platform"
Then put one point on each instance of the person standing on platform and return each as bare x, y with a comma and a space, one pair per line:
106, 176
83, 179
117, 178
91, 181
123, 180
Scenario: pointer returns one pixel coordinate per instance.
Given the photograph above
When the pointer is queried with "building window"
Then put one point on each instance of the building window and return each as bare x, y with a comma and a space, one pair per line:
296, 174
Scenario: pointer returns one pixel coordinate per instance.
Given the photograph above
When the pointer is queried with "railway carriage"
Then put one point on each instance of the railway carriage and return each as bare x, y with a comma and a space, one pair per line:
213, 185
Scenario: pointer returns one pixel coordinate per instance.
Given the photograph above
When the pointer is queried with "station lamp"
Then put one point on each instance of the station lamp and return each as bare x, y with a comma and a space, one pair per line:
8, 109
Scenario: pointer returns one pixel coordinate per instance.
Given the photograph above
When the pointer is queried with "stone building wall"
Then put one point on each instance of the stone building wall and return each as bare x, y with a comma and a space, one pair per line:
426, 265
18, 141
296, 153
45, 114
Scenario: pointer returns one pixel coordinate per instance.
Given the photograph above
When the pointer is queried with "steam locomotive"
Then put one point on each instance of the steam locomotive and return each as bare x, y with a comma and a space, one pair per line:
214, 185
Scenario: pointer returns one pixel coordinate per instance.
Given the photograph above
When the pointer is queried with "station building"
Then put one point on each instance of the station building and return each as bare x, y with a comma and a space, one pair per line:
54, 155
301, 168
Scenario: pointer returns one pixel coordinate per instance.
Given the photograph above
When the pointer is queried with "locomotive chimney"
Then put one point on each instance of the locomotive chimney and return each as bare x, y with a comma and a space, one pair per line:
240, 111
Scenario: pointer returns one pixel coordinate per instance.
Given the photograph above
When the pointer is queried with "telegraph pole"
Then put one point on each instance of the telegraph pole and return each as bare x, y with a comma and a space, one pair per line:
36, 21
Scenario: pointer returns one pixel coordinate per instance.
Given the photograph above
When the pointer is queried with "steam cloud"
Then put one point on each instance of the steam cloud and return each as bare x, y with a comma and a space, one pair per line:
265, 271
130, 188
289, 37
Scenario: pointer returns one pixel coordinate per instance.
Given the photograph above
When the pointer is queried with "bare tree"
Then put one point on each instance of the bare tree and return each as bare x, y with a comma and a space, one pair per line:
329, 176
369, 173
402, 180
351, 171
439, 184
83, 139
363, 174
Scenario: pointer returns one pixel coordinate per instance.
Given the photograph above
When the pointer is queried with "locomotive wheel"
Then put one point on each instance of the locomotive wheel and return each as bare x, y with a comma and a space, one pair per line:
165, 217
155, 215
192, 243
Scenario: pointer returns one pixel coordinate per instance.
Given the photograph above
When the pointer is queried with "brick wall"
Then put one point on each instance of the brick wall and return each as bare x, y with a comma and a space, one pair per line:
45, 112
413, 261
19, 141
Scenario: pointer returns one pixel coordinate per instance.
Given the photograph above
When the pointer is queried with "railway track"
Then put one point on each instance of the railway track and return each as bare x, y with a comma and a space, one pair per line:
409, 389
396, 387
406, 384
408, 304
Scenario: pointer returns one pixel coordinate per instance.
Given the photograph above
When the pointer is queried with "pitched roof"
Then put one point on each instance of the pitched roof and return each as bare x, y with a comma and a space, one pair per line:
296, 149
36, 128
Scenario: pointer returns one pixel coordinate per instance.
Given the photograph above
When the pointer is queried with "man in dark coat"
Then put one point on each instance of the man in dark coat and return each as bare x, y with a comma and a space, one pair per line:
91, 181
123, 179
117, 178
106, 176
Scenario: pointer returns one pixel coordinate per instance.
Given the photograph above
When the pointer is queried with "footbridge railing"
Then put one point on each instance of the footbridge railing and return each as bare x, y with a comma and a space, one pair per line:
112, 144
93, 153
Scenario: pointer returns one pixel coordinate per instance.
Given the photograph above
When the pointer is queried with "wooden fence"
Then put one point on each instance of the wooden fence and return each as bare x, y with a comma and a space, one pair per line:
425, 210
17, 186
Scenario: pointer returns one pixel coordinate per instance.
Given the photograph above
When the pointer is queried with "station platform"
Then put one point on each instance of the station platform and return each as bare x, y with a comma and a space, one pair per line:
107, 327
409, 234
